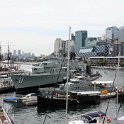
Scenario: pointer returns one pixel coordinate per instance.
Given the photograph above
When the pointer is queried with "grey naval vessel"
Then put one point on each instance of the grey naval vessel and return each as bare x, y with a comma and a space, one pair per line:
46, 73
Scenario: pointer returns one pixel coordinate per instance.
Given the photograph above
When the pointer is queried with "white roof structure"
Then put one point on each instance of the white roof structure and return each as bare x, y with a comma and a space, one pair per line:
86, 92
86, 50
74, 79
102, 82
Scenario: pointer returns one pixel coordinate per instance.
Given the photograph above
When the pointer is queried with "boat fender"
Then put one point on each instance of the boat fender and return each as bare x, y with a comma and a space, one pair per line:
108, 120
104, 85
101, 116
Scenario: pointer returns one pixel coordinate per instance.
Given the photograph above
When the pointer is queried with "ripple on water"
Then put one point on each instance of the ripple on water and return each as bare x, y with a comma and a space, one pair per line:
35, 115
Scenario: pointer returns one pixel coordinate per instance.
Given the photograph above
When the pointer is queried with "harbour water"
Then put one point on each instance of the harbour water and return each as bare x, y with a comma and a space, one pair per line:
35, 115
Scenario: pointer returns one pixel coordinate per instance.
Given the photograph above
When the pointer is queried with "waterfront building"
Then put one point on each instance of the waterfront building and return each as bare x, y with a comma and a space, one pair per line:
118, 48
19, 52
59, 45
121, 34
112, 33
85, 53
101, 42
108, 61
14, 52
102, 50
20, 55
122, 49
91, 41
80, 37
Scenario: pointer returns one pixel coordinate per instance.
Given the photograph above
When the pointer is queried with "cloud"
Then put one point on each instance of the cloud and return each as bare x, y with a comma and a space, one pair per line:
26, 22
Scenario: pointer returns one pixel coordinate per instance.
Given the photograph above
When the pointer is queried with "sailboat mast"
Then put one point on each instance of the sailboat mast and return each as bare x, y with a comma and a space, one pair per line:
68, 75
8, 56
117, 87
0, 57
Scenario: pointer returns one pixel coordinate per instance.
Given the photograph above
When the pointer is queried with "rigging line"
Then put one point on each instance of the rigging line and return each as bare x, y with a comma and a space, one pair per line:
120, 105
53, 91
59, 73
118, 109
110, 98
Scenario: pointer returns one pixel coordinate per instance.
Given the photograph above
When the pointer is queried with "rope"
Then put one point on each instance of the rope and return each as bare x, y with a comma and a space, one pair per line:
110, 98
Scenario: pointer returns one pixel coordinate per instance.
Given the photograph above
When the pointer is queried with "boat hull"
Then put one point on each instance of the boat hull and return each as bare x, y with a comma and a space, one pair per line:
55, 102
22, 81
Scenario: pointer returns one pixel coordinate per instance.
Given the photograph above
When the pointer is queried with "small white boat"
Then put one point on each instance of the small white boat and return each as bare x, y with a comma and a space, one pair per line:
77, 122
93, 117
4, 118
102, 82
106, 88
30, 99
120, 120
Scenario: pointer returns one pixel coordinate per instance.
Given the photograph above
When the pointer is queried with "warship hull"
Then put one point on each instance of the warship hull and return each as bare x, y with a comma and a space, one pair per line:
26, 82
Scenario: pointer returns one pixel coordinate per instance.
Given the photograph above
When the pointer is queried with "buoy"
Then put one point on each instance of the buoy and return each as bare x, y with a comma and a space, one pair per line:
108, 120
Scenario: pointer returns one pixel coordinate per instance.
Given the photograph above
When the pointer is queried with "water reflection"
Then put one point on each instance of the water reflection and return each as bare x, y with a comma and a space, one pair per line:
35, 115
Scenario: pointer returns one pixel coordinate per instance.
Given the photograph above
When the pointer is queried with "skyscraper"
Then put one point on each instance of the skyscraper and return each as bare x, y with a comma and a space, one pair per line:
80, 37
112, 34
19, 52
121, 34
14, 52
59, 45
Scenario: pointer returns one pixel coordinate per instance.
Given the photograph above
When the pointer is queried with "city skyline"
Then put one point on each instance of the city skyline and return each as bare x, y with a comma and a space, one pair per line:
33, 25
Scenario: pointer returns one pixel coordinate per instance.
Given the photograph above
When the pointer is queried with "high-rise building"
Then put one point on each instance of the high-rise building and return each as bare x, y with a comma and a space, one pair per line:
91, 41
122, 49
121, 34
14, 52
80, 37
112, 34
116, 49
59, 45
19, 52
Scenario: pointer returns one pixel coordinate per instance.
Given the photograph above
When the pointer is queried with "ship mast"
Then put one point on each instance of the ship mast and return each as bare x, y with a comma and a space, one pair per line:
0, 57
68, 76
8, 57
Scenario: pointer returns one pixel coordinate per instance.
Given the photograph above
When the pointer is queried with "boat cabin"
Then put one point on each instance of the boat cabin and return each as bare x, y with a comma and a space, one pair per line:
52, 66
103, 85
77, 84
89, 97
42, 67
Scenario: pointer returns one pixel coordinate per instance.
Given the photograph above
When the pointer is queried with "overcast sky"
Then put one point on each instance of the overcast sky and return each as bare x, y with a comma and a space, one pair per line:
33, 25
